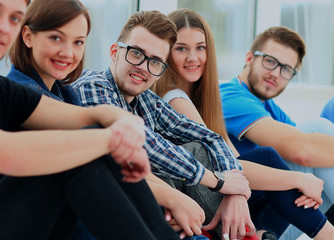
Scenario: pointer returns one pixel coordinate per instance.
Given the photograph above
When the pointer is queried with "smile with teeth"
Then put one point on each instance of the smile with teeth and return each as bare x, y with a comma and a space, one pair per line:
136, 77
62, 64
192, 67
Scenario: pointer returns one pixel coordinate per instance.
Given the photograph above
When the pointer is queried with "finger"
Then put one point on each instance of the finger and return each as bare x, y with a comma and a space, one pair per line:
234, 231
188, 231
301, 198
214, 222
251, 228
168, 215
316, 206
197, 229
176, 227
310, 205
226, 229
305, 202
116, 138
183, 235
241, 231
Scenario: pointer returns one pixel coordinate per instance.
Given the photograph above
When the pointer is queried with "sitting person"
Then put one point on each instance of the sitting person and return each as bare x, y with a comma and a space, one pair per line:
138, 60
328, 110
190, 86
51, 175
273, 60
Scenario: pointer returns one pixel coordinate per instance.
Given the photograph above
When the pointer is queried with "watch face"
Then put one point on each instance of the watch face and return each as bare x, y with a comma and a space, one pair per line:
219, 175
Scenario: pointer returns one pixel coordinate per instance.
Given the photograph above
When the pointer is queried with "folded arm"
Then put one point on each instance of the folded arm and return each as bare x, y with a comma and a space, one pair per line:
307, 149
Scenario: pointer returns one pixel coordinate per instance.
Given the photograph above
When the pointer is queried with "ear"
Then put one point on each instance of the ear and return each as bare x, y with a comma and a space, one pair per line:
249, 58
113, 51
27, 36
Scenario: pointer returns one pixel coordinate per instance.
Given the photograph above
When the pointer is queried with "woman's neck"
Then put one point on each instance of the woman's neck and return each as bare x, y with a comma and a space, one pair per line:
49, 83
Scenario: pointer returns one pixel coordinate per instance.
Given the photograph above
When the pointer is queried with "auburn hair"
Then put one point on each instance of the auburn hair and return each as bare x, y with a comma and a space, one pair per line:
45, 15
205, 96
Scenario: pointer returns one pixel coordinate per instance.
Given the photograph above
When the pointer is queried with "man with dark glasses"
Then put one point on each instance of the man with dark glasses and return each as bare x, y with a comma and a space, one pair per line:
253, 119
138, 60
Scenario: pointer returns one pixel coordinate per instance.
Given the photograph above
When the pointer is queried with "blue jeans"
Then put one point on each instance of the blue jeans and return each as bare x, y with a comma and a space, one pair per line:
274, 210
196, 238
318, 125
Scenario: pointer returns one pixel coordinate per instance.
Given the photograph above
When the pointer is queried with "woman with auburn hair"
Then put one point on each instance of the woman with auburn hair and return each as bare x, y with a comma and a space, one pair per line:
190, 86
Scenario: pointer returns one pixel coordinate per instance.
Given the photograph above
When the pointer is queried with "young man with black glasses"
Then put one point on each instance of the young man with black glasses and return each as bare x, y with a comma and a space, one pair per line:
253, 119
138, 60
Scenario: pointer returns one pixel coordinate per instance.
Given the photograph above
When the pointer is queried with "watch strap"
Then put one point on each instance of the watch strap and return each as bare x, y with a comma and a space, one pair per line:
219, 185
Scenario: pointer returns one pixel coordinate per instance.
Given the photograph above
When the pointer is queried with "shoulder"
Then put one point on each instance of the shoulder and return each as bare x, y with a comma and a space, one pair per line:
175, 93
234, 88
328, 110
90, 77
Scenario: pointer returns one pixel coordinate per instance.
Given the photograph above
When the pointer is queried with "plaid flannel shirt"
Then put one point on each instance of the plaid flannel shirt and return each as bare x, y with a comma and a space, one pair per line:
165, 129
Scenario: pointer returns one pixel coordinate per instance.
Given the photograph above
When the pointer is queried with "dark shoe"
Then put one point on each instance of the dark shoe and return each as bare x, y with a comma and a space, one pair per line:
330, 214
268, 236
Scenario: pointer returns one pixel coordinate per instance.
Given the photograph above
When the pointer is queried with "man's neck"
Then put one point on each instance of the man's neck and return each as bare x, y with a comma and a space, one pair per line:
244, 76
127, 98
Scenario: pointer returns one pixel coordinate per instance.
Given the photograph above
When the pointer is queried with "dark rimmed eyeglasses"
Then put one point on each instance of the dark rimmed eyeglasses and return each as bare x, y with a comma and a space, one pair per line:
136, 57
271, 63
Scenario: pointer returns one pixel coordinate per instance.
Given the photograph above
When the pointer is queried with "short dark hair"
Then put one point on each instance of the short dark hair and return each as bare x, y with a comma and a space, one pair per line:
155, 22
45, 15
282, 35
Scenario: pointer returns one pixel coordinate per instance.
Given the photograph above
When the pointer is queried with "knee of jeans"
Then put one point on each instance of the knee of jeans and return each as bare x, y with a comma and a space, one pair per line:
275, 160
93, 126
318, 125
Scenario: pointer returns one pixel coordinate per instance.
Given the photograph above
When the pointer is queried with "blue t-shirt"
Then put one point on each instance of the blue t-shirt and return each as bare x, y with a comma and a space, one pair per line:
242, 110
328, 111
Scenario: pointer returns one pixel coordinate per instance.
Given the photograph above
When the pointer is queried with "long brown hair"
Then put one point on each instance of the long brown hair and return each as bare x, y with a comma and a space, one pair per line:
45, 15
206, 95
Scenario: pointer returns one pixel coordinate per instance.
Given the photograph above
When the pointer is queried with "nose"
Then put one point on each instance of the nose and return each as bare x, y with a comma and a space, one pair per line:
66, 50
4, 24
192, 56
143, 66
276, 72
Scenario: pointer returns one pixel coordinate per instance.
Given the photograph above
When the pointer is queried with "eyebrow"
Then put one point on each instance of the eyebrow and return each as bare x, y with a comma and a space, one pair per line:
280, 62
181, 43
62, 33
142, 50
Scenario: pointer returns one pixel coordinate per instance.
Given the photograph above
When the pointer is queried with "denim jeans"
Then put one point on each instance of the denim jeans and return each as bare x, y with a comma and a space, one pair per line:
274, 210
270, 210
318, 125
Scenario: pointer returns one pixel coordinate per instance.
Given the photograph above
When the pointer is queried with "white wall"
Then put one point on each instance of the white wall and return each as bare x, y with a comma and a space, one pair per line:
304, 102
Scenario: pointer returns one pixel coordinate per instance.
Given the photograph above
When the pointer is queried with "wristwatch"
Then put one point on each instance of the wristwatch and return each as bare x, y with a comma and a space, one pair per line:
221, 179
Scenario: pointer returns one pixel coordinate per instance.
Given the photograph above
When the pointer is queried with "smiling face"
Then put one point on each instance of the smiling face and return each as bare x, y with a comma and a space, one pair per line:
133, 80
264, 83
11, 15
189, 54
56, 53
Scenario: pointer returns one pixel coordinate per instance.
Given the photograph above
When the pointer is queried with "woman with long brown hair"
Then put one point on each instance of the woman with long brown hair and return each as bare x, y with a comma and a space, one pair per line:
190, 86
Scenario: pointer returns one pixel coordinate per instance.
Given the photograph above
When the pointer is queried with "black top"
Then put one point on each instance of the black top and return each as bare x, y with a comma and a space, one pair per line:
17, 102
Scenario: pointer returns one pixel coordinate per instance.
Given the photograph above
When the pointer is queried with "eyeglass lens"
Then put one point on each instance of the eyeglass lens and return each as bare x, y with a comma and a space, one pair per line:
270, 63
154, 66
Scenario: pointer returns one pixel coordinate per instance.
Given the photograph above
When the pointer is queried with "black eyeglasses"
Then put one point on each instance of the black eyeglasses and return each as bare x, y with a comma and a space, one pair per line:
271, 63
136, 57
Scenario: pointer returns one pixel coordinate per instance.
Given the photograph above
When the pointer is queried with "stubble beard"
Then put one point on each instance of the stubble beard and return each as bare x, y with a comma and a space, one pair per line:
254, 84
